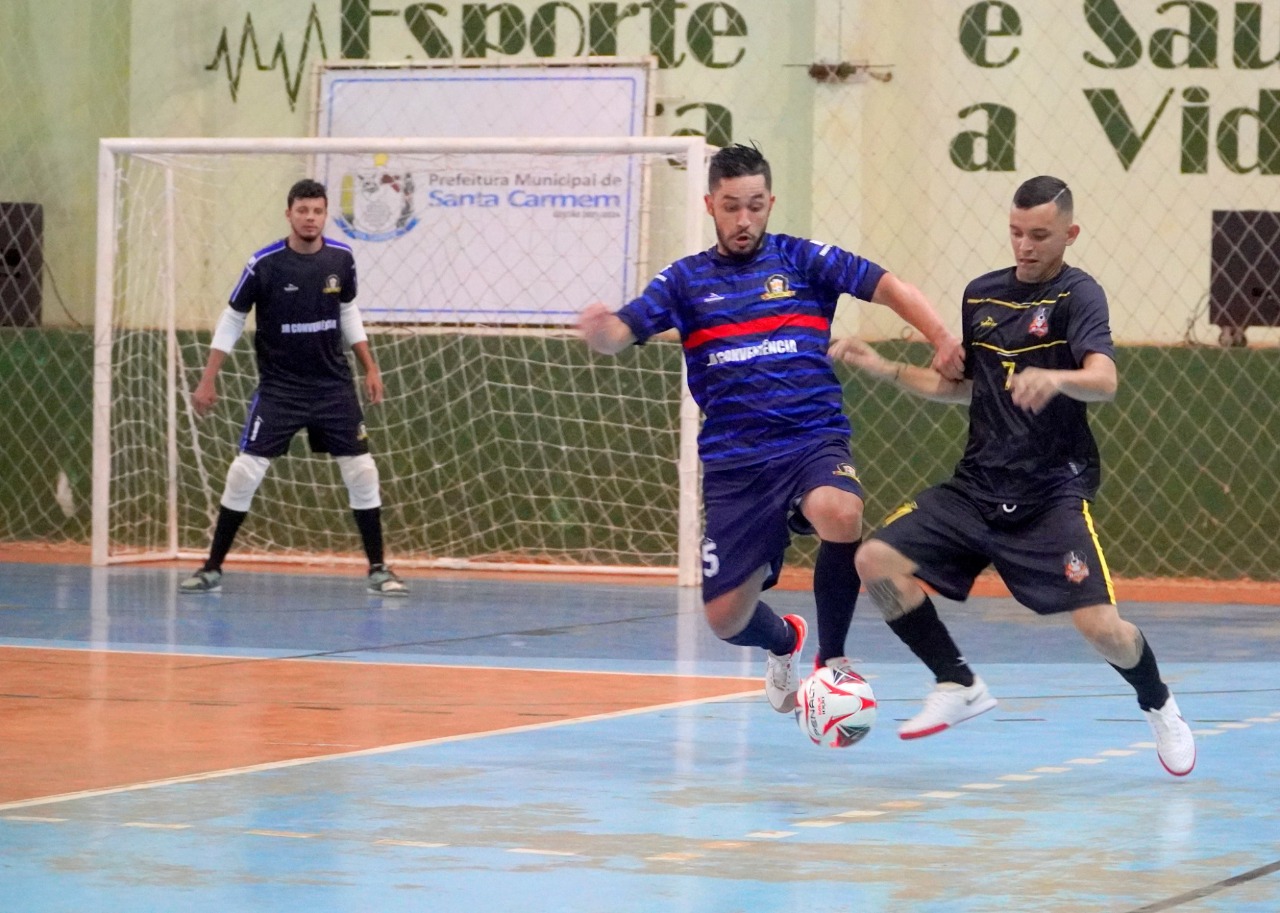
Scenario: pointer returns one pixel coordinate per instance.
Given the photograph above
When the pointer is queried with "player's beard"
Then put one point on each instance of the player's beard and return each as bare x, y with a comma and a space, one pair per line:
734, 253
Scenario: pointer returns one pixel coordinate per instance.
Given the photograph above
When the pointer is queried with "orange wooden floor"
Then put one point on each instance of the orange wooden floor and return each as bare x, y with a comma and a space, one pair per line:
77, 720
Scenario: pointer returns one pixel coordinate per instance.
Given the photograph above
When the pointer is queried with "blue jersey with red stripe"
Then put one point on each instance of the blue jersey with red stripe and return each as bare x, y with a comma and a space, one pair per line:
755, 334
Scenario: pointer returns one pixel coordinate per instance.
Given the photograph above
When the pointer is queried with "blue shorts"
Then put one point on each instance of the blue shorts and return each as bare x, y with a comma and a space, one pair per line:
332, 417
751, 511
1047, 554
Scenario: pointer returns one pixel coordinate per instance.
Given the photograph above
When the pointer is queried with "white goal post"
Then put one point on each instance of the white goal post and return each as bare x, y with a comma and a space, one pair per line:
503, 443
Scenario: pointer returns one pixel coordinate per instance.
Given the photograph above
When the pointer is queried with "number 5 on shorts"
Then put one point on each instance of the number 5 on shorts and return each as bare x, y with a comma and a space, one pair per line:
710, 560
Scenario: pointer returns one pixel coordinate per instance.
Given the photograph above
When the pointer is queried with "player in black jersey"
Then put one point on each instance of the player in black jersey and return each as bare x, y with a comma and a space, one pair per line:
304, 289
1038, 348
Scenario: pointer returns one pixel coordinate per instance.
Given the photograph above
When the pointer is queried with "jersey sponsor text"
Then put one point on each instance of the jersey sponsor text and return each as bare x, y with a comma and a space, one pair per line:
314, 326
746, 353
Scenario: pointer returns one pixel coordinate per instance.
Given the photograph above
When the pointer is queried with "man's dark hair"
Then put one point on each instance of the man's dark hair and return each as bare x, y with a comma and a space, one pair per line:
738, 161
1044, 189
307, 189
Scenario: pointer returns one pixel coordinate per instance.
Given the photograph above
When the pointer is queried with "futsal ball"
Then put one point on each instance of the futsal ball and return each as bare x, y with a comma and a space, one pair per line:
835, 707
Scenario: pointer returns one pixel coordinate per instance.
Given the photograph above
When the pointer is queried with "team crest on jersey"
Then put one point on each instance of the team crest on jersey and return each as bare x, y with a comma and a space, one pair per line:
1040, 323
361, 432
847, 471
332, 285
1075, 567
777, 286
376, 204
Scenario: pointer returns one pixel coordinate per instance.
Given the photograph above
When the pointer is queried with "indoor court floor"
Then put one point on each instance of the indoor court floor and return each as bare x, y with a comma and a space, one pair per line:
545, 746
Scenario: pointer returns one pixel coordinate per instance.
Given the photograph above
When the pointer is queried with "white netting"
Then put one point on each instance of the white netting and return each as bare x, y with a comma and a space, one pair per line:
922, 131
896, 131
502, 438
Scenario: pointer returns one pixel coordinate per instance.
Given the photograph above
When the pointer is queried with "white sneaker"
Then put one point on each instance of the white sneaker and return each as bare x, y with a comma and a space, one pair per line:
781, 681
1175, 745
836, 662
945, 706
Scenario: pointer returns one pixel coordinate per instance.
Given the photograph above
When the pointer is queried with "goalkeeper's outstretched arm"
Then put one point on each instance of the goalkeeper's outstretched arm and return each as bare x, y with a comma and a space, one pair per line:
603, 330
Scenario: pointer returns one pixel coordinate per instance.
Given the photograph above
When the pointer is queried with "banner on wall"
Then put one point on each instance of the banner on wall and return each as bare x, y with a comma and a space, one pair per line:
472, 238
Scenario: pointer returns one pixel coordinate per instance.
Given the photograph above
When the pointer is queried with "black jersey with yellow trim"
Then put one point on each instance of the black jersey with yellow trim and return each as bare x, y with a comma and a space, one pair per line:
298, 299
1014, 456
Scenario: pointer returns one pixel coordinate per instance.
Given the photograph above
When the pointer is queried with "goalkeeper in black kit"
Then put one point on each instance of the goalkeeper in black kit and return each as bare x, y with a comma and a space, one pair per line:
304, 289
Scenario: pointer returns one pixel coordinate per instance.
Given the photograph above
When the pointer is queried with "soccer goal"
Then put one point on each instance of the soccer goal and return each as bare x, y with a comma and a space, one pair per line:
504, 443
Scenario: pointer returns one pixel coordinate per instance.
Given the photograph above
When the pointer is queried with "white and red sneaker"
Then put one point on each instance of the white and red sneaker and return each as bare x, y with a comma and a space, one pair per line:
781, 679
1175, 745
945, 706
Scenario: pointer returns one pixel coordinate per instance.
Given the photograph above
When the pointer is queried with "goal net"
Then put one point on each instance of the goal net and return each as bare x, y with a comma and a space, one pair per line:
503, 441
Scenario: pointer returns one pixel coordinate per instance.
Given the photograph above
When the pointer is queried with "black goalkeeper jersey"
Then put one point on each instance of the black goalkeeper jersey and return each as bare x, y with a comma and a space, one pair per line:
1013, 456
299, 298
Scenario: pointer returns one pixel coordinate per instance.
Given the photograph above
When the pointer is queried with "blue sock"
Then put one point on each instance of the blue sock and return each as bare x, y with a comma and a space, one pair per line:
768, 630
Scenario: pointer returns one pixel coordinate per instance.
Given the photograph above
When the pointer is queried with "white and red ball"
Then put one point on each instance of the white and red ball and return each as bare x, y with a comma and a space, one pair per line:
835, 707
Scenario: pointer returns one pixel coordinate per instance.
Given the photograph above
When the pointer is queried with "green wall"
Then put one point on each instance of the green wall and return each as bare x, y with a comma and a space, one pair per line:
1184, 491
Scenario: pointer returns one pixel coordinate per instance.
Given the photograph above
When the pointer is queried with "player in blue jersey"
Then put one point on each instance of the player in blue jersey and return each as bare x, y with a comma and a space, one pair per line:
304, 289
1038, 349
754, 316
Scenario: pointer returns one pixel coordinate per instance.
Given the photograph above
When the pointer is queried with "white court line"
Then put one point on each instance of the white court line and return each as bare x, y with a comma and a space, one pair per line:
36, 818
369, 752
531, 851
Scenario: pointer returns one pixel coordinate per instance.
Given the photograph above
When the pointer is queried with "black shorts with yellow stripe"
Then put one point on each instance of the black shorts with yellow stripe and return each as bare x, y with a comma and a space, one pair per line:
1047, 553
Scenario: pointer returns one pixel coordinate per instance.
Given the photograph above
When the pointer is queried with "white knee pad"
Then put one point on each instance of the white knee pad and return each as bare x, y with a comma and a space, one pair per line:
243, 478
361, 475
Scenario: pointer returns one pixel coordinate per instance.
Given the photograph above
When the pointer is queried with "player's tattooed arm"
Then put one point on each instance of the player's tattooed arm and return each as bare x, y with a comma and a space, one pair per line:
923, 382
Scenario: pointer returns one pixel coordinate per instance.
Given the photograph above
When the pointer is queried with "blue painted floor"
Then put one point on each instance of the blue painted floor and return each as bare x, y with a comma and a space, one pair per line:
1054, 801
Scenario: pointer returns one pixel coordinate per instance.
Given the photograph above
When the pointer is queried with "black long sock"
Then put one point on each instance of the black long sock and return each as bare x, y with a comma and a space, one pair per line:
1145, 679
766, 629
923, 631
369, 522
835, 592
224, 534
